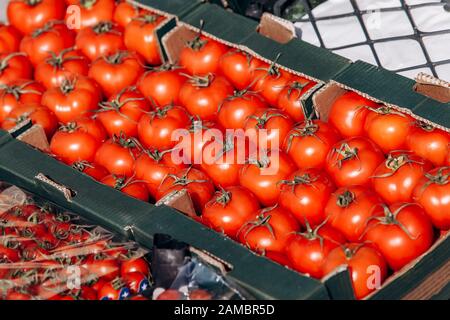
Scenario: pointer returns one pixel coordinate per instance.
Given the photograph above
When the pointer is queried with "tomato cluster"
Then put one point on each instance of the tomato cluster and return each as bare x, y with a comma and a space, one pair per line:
368, 187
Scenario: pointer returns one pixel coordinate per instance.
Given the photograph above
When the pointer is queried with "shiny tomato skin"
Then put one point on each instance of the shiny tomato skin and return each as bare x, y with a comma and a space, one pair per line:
170, 294
290, 98
397, 246
135, 265
349, 112
124, 13
239, 68
349, 209
305, 193
269, 83
263, 177
270, 231
14, 66
91, 126
309, 143
200, 295
395, 179
118, 156
93, 170
27, 17
361, 261
140, 36
201, 57
9, 38
230, 209
352, 161
92, 12
135, 189
110, 292
433, 194
136, 281
104, 268
74, 146
204, 100
429, 143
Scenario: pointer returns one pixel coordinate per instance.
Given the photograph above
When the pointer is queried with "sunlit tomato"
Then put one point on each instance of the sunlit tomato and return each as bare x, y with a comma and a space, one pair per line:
270, 81
53, 37
101, 266
72, 145
100, 40
395, 179
8, 255
121, 113
309, 143
230, 209
200, 294
238, 67
91, 126
93, 170
270, 128
118, 155
116, 71
198, 185
429, 143
16, 93
305, 193
129, 186
349, 112
308, 251
38, 115
290, 99
170, 294
140, 36
162, 86
269, 231
18, 295
68, 63
235, 109
30, 15
402, 234
9, 38
75, 97
201, 56
136, 281
349, 210
124, 13
433, 194
114, 290
14, 66
135, 265
263, 173
364, 262
353, 161
155, 129
202, 96
388, 128
91, 12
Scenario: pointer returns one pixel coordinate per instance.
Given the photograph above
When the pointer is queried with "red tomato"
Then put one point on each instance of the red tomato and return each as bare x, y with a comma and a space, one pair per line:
102, 267
100, 40
124, 13
366, 265
433, 194
170, 295
116, 71
309, 143
349, 209
38, 115
14, 66
388, 128
93, 170
353, 161
114, 290
395, 179
200, 294
196, 182
201, 56
155, 129
91, 126
162, 86
8, 255
75, 97
270, 128
263, 173
270, 81
28, 16
72, 145
235, 109
85, 293
68, 63
122, 112
91, 12
239, 68
202, 96
16, 93
305, 193
429, 143
136, 281
403, 234
140, 36
290, 99
53, 37
129, 186
135, 265
270, 231
348, 114
230, 209
118, 155
9, 38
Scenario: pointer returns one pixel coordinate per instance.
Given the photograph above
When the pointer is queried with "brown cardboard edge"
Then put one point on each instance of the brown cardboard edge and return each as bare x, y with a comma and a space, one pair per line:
275, 28
432, 87
35, 136
179, 200
146, 7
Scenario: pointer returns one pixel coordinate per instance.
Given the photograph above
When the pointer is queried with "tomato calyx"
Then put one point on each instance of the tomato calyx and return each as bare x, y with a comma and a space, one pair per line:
198, 43
262, 120
199, 124
345, 199
262, 161
33, 3
346, 153
116, 104
395, 162
116, 58
350, 252
69, 127
57, 60
198, 81
272, 70
121, 182
146, 18
440, 178
82, 165
183, 180
160, 112
48, 27
313, 234
4, 63
385, 110
105, 27
304, 179
17, 91
262, 220
223, 197
297, 87
68, 85
157, 155
88, 3
307, 129
424, 126
125, 142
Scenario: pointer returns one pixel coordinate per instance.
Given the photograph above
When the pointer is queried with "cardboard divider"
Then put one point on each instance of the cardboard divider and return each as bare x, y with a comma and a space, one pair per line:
277, 29
432, 87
